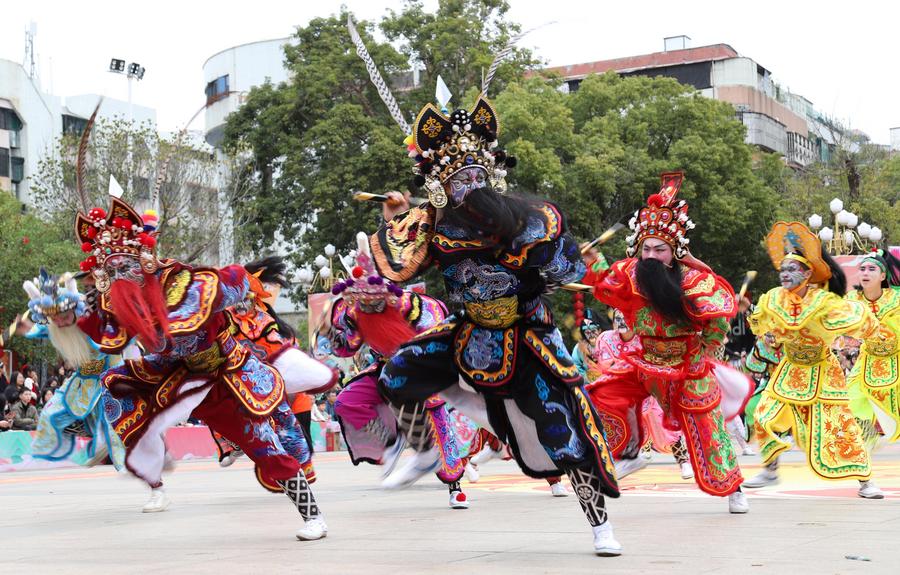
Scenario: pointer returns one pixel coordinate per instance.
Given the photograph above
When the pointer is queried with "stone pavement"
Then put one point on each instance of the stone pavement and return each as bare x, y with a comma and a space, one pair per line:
220, 521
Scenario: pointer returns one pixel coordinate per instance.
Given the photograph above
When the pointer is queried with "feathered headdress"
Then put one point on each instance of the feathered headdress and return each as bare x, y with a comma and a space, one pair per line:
443, 145
50, 296
663, 218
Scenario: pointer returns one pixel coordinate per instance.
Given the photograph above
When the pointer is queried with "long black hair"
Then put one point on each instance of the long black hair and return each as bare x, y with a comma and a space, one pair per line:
274, 271
838, 281
486, 214
661, 286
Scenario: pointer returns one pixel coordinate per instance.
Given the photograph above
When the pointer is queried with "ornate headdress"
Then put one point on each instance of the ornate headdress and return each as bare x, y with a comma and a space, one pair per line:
50, 296
443, 145
366, 286
793, 240
663, 218
120, 232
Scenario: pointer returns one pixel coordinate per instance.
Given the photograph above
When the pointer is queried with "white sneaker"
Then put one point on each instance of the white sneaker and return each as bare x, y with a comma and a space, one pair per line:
313, 529
392, 455
559, 490
420, 464
458, 500
605, 544
687, 472
486, 455
158, 501
472, 473
625, 467
868, 490
762, 479
737, 503
748, 450
230, 458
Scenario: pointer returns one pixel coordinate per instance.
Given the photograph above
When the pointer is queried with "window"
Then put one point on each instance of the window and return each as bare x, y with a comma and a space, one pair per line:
9, 120
4, 163
18, 170
73, 125
217, 89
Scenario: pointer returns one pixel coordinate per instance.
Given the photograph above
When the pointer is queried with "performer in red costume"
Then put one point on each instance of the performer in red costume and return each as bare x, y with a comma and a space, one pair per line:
191, 365
680, 311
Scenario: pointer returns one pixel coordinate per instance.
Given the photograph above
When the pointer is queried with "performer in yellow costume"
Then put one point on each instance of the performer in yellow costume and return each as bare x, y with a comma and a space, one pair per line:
876, 374
807, 394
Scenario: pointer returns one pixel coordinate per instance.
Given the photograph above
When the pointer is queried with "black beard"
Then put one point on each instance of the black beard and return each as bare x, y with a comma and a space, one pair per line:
487, 214
662, 288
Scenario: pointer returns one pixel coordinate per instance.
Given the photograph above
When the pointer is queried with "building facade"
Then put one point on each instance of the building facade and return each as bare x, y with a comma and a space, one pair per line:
776, 119
31, 122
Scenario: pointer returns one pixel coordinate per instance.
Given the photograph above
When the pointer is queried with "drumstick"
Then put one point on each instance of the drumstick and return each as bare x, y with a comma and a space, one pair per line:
381, 198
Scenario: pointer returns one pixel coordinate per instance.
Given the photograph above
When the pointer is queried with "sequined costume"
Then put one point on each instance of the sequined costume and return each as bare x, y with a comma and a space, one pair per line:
368, 424
672, 362
81, 407
876, 373
503, 345
194, 368
807, 392
253, 324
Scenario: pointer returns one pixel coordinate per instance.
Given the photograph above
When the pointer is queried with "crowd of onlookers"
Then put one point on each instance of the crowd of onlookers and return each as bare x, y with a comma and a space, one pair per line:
23, 396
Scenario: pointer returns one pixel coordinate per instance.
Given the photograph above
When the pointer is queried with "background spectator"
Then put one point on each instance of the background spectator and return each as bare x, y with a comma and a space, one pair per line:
24, 415
16, 383
31, 386
331, 398
5, 424
318, 411
47, 396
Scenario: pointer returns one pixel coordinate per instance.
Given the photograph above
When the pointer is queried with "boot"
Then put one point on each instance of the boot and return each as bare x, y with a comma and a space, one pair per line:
298, 491
605, 543
158, 501
422, 463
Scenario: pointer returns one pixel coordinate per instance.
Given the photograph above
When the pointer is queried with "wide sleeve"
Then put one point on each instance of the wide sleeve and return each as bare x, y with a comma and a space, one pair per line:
233, 286
760, 320
850, 318
710, 297
103, 329
400, 248
614, 285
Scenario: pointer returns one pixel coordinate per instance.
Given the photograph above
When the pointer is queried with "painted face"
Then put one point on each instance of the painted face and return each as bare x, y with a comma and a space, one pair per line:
590, 334
793, 274
63, 319
124, 268
372, 306
870, 274
464, 181
654, 249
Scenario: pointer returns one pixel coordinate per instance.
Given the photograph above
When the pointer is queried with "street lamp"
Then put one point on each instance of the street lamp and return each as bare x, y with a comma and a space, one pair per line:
132, 71
326, 276
848, 234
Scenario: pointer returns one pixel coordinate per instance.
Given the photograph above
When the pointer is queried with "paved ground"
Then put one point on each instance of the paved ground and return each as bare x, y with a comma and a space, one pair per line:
89, 521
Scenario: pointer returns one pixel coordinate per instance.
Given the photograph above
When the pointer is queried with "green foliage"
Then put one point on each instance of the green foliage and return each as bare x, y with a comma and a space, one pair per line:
26, 244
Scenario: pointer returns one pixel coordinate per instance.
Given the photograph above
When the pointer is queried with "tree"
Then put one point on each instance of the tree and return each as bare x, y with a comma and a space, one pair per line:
325, 133
196, 192
26, 244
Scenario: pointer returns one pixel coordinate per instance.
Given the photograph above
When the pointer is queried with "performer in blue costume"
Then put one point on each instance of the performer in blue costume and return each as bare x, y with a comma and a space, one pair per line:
81, 407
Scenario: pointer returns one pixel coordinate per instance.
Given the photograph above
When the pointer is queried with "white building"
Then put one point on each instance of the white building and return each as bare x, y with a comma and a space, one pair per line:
231, 73
31, 121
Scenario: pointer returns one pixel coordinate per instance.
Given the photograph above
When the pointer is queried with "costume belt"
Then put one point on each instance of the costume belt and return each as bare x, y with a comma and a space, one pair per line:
804, 354
211, 358
881, 347
92, 367
497, 313
669, 352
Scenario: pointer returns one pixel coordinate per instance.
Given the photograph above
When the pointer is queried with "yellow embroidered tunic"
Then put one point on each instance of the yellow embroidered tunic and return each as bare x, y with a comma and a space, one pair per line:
876, 372
807, 393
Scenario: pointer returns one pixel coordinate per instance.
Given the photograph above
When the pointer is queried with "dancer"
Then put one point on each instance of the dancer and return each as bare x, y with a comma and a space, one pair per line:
81, 407
876, 373
384, 316
191, 366
259, 328
612, 346
583, 354
680, 311
760, 363
807, 394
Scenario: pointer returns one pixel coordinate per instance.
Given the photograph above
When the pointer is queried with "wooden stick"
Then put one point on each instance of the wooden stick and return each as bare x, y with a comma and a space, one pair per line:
603, 238
751, 275
381, 198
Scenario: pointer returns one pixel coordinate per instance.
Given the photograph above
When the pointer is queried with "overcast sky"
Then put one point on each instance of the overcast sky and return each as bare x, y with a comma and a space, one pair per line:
841, 56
